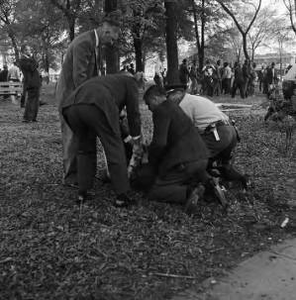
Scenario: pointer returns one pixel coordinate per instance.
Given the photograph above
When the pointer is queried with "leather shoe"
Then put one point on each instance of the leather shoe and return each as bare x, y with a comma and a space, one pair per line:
122, 200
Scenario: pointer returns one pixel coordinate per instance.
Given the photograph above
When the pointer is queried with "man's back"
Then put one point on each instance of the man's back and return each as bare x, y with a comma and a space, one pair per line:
175, 139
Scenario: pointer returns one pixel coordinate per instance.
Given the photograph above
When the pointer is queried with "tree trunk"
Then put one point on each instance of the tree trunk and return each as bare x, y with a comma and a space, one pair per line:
245, 48
112, 53
138, 54
202, 43
171, 42
71, 24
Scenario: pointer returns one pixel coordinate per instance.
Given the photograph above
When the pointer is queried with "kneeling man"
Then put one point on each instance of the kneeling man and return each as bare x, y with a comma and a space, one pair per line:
177, 153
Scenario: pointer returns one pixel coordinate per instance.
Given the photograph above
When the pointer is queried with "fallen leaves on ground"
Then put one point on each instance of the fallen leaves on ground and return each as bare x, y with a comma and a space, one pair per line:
52, 249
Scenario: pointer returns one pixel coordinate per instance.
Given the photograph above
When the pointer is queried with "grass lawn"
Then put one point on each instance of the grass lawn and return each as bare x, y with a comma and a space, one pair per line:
53, 249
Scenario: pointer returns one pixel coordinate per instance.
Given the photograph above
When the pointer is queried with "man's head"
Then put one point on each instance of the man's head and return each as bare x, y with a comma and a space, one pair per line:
154, 96
26, 49
109, 31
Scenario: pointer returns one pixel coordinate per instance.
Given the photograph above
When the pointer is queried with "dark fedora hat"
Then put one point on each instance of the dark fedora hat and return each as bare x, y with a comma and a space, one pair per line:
176, 86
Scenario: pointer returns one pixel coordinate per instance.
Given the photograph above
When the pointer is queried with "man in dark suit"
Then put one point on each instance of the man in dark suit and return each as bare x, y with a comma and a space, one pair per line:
177, 153
82, 61
32, 83
271, 77
93, 110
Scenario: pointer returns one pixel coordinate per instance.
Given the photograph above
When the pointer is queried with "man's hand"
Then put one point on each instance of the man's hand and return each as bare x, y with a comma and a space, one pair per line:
137, 156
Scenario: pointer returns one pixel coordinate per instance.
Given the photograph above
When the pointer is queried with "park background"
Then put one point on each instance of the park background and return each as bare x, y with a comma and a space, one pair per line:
51, 248
156, 34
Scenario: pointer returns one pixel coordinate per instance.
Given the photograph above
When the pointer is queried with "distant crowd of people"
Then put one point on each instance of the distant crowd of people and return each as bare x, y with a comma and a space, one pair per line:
216, 79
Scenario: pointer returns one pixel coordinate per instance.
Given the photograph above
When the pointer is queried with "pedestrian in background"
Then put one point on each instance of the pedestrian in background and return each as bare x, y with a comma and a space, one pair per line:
184, 73
14, 76
32, 83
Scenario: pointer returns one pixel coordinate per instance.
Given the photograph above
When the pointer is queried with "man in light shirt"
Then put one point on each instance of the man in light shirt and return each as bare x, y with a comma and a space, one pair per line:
216, 129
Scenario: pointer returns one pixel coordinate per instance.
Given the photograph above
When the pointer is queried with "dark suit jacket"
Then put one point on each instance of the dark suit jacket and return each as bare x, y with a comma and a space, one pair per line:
79, 65
110, 94
175, 139
29, 68
271, 78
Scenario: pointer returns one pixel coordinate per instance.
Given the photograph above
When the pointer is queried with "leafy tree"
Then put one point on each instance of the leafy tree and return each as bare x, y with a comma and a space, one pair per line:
71, 10
42, 26
262, 30
143, 22
8, 22
207, 17
291, 8
236, 10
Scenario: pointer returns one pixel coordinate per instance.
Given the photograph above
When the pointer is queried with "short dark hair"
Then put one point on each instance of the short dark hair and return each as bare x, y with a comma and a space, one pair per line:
154, 90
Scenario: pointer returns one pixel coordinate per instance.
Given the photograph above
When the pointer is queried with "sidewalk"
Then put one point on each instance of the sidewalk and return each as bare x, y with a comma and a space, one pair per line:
269, 275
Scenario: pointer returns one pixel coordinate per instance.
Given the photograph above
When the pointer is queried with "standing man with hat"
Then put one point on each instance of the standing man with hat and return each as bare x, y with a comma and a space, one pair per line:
83, 60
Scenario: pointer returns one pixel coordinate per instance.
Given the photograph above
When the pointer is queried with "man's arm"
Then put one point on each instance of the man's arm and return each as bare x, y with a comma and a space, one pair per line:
132, 108
161, 123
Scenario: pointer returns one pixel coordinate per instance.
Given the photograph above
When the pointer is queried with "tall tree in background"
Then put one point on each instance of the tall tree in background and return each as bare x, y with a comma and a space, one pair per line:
41, 25
111, 53
71, 10
143, 22
291, 8
171, 41
230, 7
207, 16
8, 22
262, 30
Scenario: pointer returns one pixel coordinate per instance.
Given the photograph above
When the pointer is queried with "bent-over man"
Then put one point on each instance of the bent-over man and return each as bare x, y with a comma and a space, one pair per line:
93, 110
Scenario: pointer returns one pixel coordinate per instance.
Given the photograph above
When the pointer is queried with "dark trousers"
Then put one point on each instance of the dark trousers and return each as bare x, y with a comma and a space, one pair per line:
227, 142
173, 186
240, 86
32, 104
87, 122
221, 151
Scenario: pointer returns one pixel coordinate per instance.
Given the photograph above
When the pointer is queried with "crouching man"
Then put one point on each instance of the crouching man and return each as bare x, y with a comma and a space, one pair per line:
177, 154
93, 110
215, 128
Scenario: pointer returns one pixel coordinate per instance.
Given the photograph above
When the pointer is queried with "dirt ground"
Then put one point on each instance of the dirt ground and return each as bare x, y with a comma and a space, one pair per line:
52, 249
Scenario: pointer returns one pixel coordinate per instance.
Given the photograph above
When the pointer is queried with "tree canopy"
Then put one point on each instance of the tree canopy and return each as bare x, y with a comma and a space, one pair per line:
148, 27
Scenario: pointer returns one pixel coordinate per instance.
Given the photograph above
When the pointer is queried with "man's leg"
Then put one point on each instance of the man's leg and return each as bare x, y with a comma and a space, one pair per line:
112, 143
175, 186
70, 150
23, 96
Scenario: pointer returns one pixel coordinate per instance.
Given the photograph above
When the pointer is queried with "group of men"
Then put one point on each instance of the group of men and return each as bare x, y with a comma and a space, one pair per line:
190, 132
216, 79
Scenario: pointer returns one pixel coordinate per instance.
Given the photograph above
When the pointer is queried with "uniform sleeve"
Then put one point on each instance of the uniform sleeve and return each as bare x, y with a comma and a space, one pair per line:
132, 108
161, 123
82, 54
